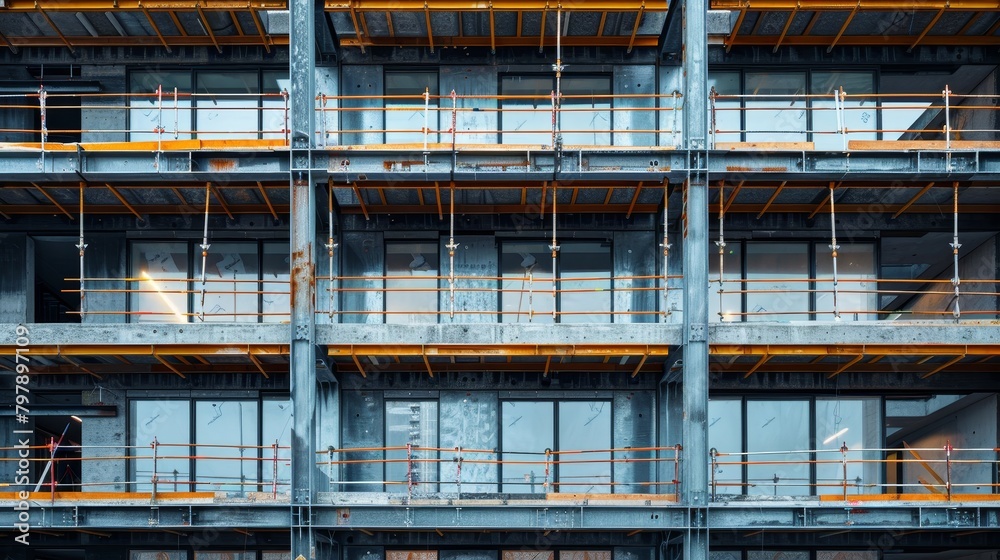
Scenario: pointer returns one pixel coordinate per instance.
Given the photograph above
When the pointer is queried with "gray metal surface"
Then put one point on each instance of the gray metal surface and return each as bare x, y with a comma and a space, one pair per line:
635, 255
634, 80
469, 419
634, 427
362, 256
17, 283
476, 255
364, 427
361, 126
476, 118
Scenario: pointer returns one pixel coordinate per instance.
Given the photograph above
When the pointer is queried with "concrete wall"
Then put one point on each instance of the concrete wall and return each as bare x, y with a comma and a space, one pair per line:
103, 436
980, 263
476, 255
973, 427
17, 279
981, 121
476, 119
634, 255
105, 113
105, 258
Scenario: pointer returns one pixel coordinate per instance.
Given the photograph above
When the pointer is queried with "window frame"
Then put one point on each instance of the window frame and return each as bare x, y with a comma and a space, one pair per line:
566, 76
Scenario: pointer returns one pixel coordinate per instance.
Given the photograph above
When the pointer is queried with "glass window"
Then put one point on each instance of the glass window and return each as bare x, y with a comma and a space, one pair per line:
411, 555
527, 431
856, 297
778, 425
526, 289
160, 271
725, 120
147, 112
859, 113
584, 555
413, 423
725, 435
199, 555
777, 288
585, 283
274, 117
775, 106
585, 426
854, 423
411, 282
230, 290
526, 110
725, 302
158, 555
405, 106
227, 105
169, 423
226, 433
277, 428
585, 117
275, 299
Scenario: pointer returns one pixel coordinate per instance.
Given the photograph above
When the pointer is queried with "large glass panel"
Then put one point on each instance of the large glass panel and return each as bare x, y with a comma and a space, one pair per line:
413, 423
584, 555
859, 117
777, 287
585, 426
405, 112
158, 555
778, 426
725, 435
274, 116
215, 555
585, 283
526, 109
777, 555
226, 433
585, 117
227, 105
168, 423
229, 293
856, 297
526, 288
275, 299
411, 555
277, 429
528, 429
147, 111
854, 423
725, 302
726, 117
160, 270
411, 282
775, 106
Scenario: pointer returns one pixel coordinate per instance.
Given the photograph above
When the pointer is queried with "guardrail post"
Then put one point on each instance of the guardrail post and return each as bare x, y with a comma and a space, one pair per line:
155, 446
322, 119
548, 468
286, 129
946, 93
274, 472
843, 459
947, 461
677, 470
42, 95
714, 454
409, 470
458, 470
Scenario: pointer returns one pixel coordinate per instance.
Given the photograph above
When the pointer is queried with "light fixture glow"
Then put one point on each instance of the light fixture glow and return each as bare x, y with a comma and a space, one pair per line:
835, 436
77, 418
156, 286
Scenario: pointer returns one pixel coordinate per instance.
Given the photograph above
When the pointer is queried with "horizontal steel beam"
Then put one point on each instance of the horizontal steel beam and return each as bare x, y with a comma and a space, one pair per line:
140, 40
861, 5
498, 350
865, 40
523, 41
138, 5
495, 5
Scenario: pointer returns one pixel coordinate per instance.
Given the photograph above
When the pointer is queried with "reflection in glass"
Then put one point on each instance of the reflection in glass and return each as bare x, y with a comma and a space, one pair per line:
413, 423
776, 106
202, 555
230, 289
585, 283
227, 105
856, 274
725, 121
585, 115
778, 425
405, 107
233, 426
528, 429
725, 302
860, 113
781, 292
146, 112
411, 283
277, 427
725, 435
854, 423
168, 422
584, 426
274, 117
526, 296
526, 109
160, 270
275, 299
158, 555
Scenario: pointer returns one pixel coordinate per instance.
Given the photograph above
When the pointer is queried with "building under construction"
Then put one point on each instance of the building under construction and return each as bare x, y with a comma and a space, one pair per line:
499, 280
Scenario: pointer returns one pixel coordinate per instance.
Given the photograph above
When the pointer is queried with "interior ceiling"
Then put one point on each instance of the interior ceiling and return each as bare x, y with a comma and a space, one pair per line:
757, 198
470, 23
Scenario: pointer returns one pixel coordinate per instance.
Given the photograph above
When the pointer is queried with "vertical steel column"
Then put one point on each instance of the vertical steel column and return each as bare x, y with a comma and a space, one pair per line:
302, 71
694, 475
